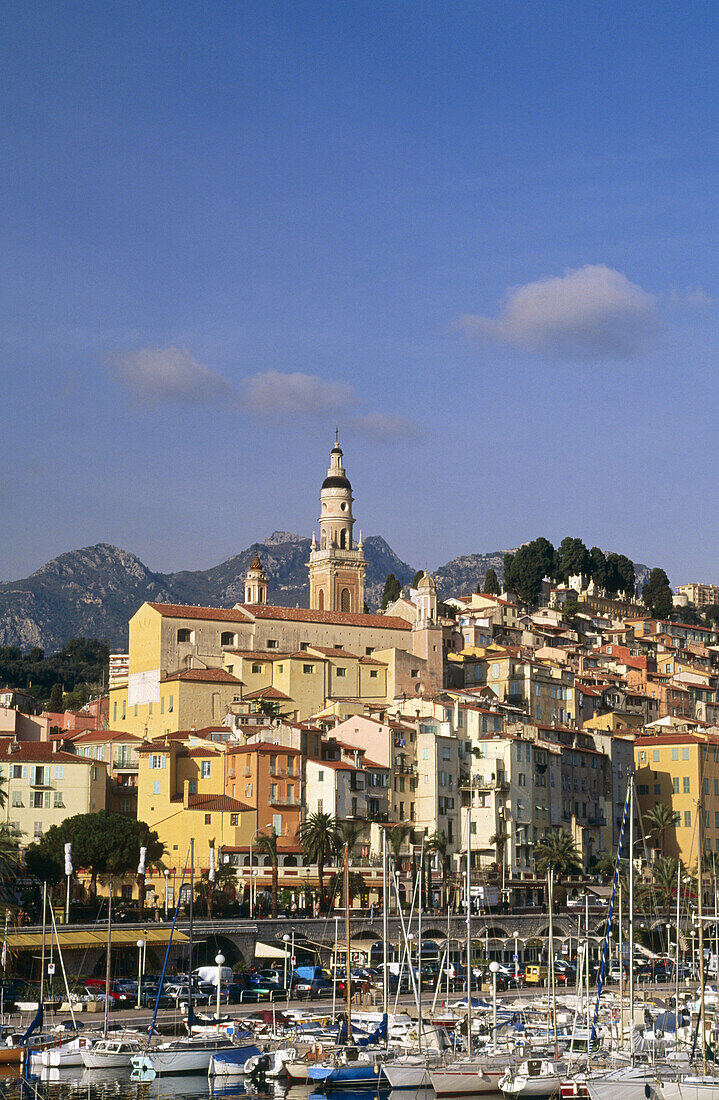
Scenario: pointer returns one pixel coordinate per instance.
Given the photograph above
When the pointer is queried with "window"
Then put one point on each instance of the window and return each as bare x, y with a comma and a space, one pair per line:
58, 771
706, 786
308, 669
342, 671
320, 777
272, 643
93, 773
171, 703
162, 705
36, 800
643, 788
208, 819
687, 819
280, 668
675, 784
256, 668
277, 823
446, 752
425, 754
192, 786
157, 762
686, 785
184, 635
657, 788
655, 755
234, 819
685, 752
414, 673
156, 786
320, 804
227, 638
675, 754
522, 780
642, 758
16, 799
114, 712
373, 674
206, 769
57, 800
273, 792
37, 830
124, 708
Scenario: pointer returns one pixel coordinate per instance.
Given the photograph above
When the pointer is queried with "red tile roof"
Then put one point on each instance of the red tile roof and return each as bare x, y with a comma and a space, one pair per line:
99, 736
30, 752
269, 611
184, 611
263, 746
268, 693
202, 675
220, 803
201, 750
334, 651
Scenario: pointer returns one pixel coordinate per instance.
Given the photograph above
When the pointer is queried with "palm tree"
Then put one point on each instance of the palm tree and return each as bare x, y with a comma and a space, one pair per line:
665, 874
396, 836
267, 844
661, 818
318, 837
604, 867
438, 843
557, 850
499, 840
348, 833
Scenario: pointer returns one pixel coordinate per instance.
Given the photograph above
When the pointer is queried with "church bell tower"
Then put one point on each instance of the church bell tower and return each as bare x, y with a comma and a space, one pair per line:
337, 565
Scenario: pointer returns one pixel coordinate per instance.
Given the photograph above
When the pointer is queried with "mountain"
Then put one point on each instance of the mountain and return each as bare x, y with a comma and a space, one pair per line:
93, 592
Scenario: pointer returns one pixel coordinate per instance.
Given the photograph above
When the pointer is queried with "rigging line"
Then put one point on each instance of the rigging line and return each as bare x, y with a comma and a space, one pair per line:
603, 965
167, 953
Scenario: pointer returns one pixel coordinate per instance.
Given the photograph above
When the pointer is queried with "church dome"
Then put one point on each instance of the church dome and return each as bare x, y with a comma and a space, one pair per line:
426, 581
336, 481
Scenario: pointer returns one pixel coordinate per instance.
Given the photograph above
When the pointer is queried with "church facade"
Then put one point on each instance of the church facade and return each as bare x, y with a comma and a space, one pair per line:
192, 666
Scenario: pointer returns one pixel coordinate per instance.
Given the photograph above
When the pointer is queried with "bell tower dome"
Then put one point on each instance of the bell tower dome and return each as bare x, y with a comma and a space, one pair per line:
337, 565
256, 582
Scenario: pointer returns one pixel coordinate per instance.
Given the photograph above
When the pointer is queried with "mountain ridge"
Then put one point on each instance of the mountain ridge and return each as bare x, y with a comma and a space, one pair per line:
94, 591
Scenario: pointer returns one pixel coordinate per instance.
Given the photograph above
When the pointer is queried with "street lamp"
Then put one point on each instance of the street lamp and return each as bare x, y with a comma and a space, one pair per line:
494, 967
257, 831
290, 938
141, 944
167, 882
286, 939
516, 957
68, 872
219, 959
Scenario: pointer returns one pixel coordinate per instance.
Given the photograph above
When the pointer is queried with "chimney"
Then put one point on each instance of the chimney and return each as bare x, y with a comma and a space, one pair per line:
55, 745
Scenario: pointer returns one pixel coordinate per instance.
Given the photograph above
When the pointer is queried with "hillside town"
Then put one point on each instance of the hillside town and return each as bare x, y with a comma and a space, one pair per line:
480, 723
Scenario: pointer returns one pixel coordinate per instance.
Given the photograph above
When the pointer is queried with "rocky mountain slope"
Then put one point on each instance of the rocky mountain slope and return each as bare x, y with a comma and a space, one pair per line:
94, 591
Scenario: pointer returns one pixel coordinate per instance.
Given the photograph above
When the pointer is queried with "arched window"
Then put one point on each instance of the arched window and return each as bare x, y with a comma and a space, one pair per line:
343, 540
215, 705
290, 861
228, 638
345, 600
184, 635
321, 600
323, 541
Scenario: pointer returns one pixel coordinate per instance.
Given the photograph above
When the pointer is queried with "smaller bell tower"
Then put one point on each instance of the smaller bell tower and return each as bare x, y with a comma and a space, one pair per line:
256, 582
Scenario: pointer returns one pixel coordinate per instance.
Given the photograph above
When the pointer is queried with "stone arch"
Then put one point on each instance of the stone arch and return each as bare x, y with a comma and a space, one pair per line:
290, 861
345, 600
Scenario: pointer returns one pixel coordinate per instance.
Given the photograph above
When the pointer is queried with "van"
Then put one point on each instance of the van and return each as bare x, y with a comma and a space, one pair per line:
534, 974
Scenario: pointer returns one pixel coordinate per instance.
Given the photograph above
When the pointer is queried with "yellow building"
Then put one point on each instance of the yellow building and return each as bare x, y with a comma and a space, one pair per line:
181, 794
680, 770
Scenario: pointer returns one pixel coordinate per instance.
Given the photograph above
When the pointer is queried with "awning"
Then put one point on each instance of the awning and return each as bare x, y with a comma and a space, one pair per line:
267, 951
21, 941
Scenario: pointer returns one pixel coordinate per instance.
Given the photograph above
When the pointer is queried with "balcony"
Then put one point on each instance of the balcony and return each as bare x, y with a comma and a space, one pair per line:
283, 800
402, 768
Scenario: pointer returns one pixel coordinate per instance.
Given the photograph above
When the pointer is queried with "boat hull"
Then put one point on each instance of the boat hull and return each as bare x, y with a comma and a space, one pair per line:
457, 1082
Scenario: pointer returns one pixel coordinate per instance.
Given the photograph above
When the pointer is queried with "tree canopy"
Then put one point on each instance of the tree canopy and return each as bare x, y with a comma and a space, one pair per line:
657, 595
69, 676
491, 583
103, 843
557, 850
392, 591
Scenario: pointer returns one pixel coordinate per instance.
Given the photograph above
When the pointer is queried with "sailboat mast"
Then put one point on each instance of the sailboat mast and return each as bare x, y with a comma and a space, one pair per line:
192, 894
385, 927
676, 967
469, 927
347, 941
42, 958
700, 909
419, 949
630, 921
550, 887
107, 960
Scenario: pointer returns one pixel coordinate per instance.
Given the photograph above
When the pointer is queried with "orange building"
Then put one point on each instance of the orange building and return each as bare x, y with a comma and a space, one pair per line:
268, 778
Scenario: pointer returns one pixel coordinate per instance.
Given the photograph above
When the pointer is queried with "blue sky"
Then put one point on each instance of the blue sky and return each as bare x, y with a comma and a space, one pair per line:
479, 238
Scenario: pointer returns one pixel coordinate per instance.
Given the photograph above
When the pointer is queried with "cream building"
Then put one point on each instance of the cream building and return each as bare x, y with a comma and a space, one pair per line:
44, 786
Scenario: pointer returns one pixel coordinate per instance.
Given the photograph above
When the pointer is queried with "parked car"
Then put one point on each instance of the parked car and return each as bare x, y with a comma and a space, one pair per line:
312, 987
148, 996
122, 990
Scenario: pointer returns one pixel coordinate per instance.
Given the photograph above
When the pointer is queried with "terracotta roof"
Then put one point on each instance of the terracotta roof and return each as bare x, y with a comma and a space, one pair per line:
30, 752
258, 655
334, 651
200, 750
220, 803
202, 675
263, 746
338, 765
371, 661
332, 618
669, 739
182, 611
98, 735
268, 693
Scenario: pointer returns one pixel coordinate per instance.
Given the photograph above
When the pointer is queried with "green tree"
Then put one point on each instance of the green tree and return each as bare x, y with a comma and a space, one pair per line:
523, 573
348, 834
604, 866
665, 873
499, 840
439, 844
396, 836
43, 865
558, 851
103, 843
657, 595
573, 559
545, 555
627, 576
711, 613
56, 695
416, 578
318, 837
491, 584
267, 844
598, 567
660, 818
217, 898
392, 591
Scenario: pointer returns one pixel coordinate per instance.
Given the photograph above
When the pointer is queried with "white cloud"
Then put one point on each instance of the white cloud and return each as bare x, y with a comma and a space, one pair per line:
692, 297
592, 312
275, 394
171, 374
384, 426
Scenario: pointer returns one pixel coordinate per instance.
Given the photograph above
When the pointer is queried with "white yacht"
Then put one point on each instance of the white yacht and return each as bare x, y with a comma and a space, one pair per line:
111, 1052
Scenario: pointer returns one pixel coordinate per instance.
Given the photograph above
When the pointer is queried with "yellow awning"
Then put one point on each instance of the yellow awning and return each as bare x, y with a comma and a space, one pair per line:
93, 937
